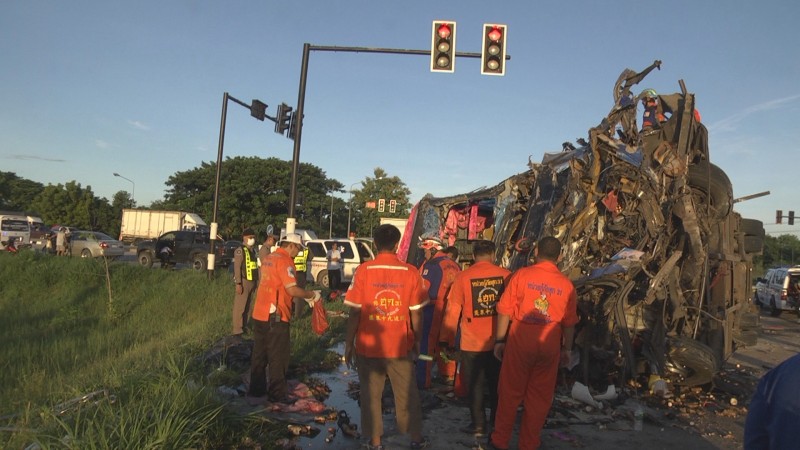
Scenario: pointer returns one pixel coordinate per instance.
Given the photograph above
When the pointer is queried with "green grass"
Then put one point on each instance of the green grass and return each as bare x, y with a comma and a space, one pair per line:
72, 326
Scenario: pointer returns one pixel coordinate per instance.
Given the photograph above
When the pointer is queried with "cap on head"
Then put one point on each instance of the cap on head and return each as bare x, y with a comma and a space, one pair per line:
248, 232
294, 238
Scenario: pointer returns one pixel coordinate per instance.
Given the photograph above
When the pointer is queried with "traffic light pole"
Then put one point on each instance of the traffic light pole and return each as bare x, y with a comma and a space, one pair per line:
291, 221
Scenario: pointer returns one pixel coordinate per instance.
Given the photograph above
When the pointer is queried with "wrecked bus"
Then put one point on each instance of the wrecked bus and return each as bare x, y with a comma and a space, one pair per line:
661, 261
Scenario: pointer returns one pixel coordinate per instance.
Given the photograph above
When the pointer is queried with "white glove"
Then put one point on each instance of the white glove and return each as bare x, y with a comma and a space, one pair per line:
313, 300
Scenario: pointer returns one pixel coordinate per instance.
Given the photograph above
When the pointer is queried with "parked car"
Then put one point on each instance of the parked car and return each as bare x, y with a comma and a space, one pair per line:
779, 290
186, 247
354, 252
227, 253
94, 244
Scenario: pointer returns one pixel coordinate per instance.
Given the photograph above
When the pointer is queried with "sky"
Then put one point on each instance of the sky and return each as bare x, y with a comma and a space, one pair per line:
93, 88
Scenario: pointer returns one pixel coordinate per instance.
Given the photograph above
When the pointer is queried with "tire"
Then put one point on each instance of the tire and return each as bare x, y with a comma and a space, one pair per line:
774, 311
753, 227
323, 280
746, 337
753, 244
714, 185
695, 362
199, 262
749, 321
146, 259
86, 253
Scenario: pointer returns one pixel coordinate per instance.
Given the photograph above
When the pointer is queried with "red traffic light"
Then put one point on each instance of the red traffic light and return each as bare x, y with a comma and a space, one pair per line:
495, 34
493, 51
443, 46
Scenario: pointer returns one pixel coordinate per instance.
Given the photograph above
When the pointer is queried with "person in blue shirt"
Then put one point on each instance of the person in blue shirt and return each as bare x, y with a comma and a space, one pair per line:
773, 417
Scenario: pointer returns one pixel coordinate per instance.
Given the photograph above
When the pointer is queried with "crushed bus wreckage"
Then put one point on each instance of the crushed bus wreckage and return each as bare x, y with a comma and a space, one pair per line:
661, 262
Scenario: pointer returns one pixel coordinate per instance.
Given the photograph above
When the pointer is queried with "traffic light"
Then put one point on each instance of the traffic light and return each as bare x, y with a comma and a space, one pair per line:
443, 46
258, 109
381, 205
283, 118
392, 206
293, 126
778, 216
791, 217
493, 52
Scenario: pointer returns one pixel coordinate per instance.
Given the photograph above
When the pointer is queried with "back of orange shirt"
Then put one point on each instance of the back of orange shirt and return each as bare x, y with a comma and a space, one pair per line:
277, 274
473, 297
540, 295
385, 289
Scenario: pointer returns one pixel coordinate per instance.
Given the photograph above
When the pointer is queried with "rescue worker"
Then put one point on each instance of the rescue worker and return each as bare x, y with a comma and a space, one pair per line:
471, 308
245, 276
439, 272
536, 319
382, 333
300, 268
272, 313
653, 115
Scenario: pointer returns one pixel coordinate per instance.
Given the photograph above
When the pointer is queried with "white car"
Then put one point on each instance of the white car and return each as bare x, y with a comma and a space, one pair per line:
779, 290
354, 252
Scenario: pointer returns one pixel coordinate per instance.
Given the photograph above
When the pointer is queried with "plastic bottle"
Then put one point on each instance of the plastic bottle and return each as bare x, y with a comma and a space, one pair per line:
638, 418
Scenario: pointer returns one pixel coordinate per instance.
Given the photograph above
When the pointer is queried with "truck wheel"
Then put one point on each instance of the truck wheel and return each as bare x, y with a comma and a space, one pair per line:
146, 259
753, 227
774, 311
711, 185
753, 244
323, 280
694, 361
86, 253
199, 263
746, 337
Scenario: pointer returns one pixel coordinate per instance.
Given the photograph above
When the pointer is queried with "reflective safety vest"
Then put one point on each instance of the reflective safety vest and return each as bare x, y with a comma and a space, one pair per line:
301, 261
250, 265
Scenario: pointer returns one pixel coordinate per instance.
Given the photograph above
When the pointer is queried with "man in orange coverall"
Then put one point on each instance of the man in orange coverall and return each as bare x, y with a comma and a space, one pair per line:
439, 271
541, 305
472, 299
383, 331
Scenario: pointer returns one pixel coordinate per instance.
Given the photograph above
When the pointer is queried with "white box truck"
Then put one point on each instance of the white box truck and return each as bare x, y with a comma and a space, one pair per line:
141, 224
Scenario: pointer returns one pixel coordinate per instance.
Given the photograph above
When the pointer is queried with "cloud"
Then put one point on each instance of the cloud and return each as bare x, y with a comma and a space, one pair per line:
138, 125
101, 143
729, 123
35, 158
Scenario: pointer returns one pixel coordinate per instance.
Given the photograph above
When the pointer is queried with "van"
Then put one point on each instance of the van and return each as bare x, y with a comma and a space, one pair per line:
779, 290
354, 252
16, 227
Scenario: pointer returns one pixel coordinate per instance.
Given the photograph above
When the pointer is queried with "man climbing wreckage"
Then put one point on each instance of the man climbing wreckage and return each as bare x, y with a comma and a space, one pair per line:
660, 260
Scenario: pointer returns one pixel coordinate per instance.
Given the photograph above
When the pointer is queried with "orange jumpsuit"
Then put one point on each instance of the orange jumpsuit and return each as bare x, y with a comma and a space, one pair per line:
439, 272
539, 300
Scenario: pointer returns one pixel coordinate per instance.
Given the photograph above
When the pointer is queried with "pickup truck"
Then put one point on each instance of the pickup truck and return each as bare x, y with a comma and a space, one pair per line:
187, 247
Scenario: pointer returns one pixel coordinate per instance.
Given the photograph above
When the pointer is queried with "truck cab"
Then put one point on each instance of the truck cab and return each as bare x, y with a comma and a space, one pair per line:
354, 252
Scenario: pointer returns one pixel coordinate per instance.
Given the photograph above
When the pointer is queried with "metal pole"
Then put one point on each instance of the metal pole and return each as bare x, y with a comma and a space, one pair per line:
133, 187
350, 208
213, 231
298, 132
330, 229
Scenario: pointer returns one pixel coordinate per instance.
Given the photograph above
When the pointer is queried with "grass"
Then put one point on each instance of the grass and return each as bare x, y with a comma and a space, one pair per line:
131, 337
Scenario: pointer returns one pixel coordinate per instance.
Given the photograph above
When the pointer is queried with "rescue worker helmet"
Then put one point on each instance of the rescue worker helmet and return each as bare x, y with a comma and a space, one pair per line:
430, 241
649, 93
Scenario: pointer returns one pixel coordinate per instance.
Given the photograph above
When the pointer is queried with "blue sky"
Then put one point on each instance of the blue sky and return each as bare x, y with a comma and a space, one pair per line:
90, 88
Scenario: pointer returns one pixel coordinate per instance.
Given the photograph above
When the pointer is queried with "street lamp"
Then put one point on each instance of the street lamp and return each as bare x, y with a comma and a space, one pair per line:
133, 187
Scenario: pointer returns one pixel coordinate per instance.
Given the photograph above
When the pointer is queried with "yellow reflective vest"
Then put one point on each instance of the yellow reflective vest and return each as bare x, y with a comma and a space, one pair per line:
301, 261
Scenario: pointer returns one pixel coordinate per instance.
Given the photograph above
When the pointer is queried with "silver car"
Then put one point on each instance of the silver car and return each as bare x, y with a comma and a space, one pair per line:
94, 244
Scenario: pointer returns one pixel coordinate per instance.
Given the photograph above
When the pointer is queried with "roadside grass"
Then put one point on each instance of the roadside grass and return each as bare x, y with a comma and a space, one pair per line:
87, 366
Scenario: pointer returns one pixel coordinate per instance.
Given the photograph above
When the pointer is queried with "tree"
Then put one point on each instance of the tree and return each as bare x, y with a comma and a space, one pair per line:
365, 201
17, 194
253, 193
73, 205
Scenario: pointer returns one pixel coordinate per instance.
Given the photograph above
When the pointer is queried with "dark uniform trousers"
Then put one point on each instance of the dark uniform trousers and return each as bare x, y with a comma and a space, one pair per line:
270, 348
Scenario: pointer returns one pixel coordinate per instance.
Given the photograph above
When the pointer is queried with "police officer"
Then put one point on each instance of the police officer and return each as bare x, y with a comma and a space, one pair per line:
300, 268
245, 275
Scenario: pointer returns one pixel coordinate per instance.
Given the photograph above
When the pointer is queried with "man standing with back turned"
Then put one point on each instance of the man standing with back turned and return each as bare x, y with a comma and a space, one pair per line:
541, 305
383, 330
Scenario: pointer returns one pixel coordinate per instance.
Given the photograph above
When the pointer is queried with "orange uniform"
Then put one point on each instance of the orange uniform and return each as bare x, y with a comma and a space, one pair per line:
472, 299
277, 274
385, 289
540, 300
439, 273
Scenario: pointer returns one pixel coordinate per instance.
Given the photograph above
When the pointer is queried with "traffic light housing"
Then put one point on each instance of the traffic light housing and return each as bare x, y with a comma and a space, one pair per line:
443, 46
791, 217
392, 206
258, 109
493, 51
293, 126
381, 205
778, 216
282, 118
